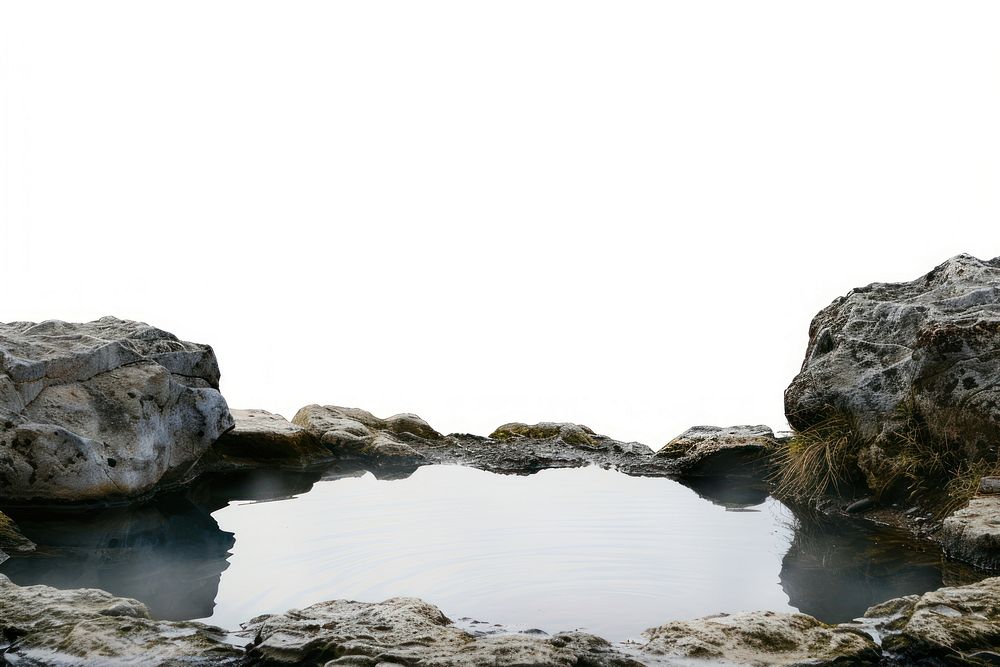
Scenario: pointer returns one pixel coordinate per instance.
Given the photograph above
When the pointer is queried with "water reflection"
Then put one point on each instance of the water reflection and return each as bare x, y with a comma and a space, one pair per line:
558, 550
169, 555
835, 570
732, 493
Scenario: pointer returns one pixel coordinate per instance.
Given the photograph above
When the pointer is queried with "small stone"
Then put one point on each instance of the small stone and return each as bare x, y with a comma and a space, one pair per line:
860, 505
989, 485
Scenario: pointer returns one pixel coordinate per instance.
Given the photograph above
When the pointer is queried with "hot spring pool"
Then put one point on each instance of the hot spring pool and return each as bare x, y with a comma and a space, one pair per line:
562, 549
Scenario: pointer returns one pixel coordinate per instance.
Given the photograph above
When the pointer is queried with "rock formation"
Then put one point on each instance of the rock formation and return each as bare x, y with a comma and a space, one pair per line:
102, 410
761, 639
899, 399
408, 631
40, 625
972, 533
406, 439
950, 626
264, 439
714, 451
911, 370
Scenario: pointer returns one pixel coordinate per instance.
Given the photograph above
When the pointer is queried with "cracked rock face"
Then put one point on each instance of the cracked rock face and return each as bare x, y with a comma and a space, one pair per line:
40, 625
894, 355
408, 631
515, 448
950, 626
102, 410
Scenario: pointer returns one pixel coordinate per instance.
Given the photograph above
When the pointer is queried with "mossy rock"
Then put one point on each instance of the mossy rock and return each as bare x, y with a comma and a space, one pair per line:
572, 434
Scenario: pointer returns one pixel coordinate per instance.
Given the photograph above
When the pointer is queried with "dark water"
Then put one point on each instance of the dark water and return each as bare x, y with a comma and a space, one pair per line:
561, 549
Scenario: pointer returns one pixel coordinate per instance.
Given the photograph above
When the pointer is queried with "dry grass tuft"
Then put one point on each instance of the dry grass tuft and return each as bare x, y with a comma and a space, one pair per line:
819, 460
937, 469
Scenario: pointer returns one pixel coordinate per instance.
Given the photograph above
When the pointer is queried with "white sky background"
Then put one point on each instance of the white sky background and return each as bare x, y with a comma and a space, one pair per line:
616, 213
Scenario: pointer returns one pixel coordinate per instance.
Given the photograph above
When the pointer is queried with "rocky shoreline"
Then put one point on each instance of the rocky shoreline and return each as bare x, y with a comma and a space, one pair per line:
897, 420
44, 626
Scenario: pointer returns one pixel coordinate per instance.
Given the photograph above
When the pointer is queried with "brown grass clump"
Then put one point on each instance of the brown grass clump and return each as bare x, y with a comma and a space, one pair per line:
819, 460
938, 469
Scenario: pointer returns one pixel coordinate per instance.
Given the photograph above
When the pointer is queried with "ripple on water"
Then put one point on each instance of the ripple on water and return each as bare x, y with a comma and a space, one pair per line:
581, 548
561, 549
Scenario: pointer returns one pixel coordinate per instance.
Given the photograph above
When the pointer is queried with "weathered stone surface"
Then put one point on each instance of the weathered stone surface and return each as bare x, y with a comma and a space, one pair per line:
916, 356
262, 438
760, 638
407, 631
734, 451
40, 625
104, 409
513, 448
11, 538
949, 626
972, 534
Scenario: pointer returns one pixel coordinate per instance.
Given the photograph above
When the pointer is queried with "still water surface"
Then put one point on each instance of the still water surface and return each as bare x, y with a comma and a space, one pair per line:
562, 549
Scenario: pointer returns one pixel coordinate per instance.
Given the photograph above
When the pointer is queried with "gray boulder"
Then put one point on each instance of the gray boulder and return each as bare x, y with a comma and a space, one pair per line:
709, 451
759, 638
950, 626
102, 410
408, 631
907, 368
40, 625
